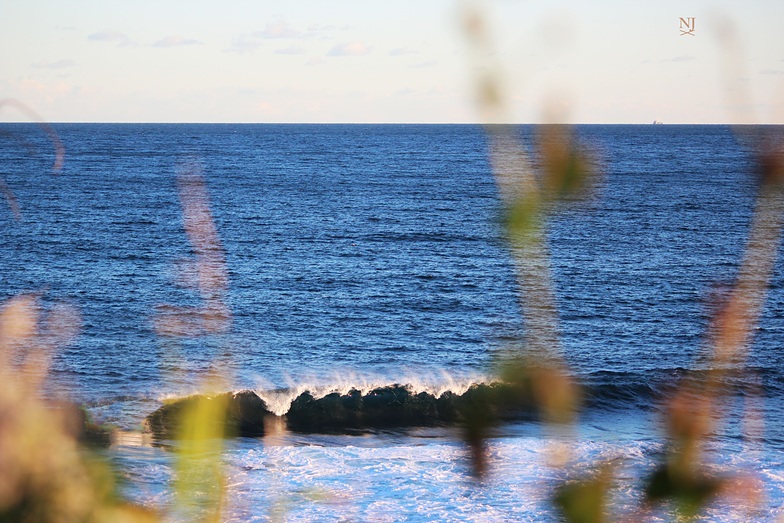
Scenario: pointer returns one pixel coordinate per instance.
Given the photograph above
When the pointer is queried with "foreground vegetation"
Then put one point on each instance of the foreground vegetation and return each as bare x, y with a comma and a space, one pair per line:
47, 473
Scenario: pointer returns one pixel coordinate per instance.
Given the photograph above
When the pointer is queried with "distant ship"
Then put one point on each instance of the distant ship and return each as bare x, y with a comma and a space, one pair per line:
657, 122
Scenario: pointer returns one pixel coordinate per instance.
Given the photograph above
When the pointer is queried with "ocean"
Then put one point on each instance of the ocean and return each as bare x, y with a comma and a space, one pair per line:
362, 256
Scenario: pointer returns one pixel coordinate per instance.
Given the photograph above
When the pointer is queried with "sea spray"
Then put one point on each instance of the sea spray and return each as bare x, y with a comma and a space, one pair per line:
436, 384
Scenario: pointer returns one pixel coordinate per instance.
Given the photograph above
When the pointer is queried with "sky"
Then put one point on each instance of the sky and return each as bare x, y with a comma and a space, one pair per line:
391, 62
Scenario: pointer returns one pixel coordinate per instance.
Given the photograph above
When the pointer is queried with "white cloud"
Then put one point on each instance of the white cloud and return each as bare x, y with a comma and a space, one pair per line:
243, 45
59, 64
292, 49
402, 51
681, 58
317, 28
248, 43
122, 39
349, 49
175, 41
278, 29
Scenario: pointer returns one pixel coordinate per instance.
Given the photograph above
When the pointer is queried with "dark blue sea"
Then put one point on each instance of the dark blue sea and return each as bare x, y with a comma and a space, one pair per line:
360, 256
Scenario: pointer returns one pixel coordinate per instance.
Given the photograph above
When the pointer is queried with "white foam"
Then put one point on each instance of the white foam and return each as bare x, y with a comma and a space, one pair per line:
436, 383
392, 478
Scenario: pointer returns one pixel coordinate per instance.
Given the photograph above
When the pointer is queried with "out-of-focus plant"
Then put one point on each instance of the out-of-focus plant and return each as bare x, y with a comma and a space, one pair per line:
562, 173
585, 500
205, 273
529, 190
199, 485
59, 149
692, 411
45, 475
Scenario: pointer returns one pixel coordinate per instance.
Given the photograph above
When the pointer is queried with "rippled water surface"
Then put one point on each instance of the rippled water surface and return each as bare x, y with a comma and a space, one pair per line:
363, 255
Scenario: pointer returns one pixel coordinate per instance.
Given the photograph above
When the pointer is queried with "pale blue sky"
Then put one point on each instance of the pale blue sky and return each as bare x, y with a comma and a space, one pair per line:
402, 61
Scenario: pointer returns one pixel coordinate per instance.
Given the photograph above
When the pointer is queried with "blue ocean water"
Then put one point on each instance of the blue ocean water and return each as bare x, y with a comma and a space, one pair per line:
364, 255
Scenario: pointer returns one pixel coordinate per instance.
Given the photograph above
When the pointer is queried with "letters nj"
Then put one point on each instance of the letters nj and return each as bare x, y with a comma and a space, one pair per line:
687, 26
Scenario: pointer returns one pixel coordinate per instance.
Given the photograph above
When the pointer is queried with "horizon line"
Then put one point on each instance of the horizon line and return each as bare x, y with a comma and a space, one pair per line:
127, 122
